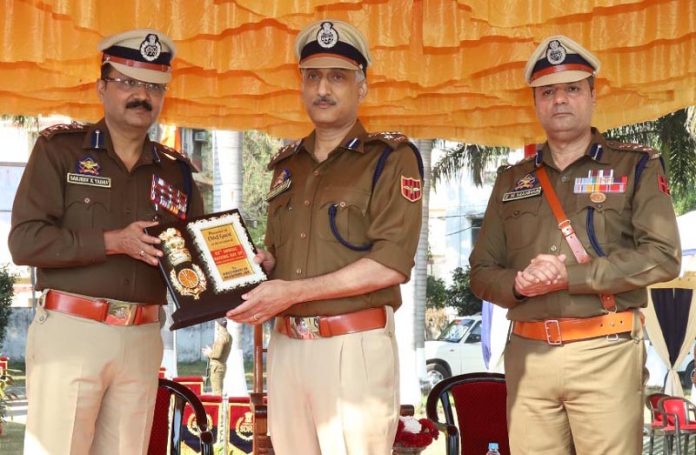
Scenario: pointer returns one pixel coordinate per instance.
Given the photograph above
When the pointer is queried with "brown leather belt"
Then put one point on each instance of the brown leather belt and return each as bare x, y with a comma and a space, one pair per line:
101, 310
558, 331
308, 328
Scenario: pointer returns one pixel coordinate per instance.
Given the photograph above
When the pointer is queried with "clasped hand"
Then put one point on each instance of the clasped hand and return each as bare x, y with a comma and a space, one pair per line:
545, 273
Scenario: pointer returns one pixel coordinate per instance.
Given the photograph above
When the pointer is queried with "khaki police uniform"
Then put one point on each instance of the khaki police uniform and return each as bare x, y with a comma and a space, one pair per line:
91, 366
585, 392
340, 392
220, 351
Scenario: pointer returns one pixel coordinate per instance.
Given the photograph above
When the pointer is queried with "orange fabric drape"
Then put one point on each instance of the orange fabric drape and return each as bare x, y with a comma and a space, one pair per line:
441, 68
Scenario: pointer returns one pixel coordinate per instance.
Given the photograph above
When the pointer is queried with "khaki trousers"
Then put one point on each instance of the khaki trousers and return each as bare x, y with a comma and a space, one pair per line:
91, 387
334, 396
217, 377
587, 394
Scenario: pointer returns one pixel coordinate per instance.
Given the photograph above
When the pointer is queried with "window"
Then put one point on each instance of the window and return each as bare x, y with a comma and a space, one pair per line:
475, 228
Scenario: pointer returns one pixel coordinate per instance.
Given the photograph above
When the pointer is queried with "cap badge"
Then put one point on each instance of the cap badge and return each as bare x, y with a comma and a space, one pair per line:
327, 36
150, 48
555, 53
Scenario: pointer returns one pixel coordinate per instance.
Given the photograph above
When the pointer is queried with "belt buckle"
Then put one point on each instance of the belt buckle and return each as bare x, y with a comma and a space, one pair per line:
547, 327
304, 328
120, 313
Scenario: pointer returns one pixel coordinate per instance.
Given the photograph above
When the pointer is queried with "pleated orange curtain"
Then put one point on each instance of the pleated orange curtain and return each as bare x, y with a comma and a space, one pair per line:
441, 68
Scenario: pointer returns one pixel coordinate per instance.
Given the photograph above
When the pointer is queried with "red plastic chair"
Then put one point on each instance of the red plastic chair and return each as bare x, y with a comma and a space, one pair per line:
3, 364
656, 422
679, 418
479, 402
174, 400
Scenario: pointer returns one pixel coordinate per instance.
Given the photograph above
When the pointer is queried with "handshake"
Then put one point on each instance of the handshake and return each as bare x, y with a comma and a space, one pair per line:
545, 273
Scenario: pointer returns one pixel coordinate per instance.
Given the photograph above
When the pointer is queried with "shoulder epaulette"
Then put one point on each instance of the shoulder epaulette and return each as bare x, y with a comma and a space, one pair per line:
63, 128
171, 153
391, 138
626, 147
283, 153
506, 167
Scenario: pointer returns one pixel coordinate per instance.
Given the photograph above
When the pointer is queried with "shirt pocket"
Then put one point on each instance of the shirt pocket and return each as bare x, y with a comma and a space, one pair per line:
521, 222
87, 207
351, 220
607, 217
280, 215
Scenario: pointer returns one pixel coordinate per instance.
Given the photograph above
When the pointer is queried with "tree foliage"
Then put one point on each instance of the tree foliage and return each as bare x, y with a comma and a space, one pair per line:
435, 293
7, 281
475, 158
674, 135
459, 294
258, 149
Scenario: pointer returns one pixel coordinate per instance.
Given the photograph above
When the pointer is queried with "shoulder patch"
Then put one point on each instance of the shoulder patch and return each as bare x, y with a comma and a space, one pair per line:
283, 153
627, 147
391, 138
64, 128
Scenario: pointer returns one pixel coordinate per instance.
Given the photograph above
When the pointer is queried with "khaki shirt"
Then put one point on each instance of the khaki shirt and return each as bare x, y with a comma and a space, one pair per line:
634, 226
58, 226
220, 350
299, 233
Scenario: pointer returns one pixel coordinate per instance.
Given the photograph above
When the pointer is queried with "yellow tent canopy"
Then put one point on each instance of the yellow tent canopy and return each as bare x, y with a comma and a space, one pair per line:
441, 68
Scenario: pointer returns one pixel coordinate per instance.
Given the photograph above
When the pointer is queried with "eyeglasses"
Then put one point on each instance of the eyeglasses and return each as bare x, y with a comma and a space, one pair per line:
132, 85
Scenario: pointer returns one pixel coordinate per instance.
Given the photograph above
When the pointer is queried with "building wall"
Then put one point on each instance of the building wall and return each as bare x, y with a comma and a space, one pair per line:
454, 204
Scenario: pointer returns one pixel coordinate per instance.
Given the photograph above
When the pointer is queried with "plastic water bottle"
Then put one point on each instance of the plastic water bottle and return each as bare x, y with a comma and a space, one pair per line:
493, 449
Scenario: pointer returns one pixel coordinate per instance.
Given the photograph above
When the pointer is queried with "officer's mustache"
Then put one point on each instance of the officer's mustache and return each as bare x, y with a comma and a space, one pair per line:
324, 99
145, 104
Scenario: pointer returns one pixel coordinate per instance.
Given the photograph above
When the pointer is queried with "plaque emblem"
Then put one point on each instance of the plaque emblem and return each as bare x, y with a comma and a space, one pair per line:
187, 278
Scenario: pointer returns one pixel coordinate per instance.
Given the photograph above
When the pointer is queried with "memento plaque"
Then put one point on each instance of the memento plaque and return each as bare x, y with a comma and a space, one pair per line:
208, 264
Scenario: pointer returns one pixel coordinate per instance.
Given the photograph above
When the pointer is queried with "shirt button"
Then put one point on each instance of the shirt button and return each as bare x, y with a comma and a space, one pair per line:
87, 200
303, 235
553, 248
342, 204
307, 203
298, 271
565, 178
316, 173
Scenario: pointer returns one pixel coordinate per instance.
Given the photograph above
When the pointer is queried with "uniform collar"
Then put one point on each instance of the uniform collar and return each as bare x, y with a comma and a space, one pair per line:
354, 140
596, 151
99, 138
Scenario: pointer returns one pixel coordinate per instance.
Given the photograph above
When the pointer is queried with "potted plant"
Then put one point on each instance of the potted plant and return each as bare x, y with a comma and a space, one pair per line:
5, 397
413, 435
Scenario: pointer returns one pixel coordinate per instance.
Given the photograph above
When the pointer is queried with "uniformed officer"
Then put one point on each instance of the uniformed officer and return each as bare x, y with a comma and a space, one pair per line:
343, 224
570, 239
218, 354
88, 191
